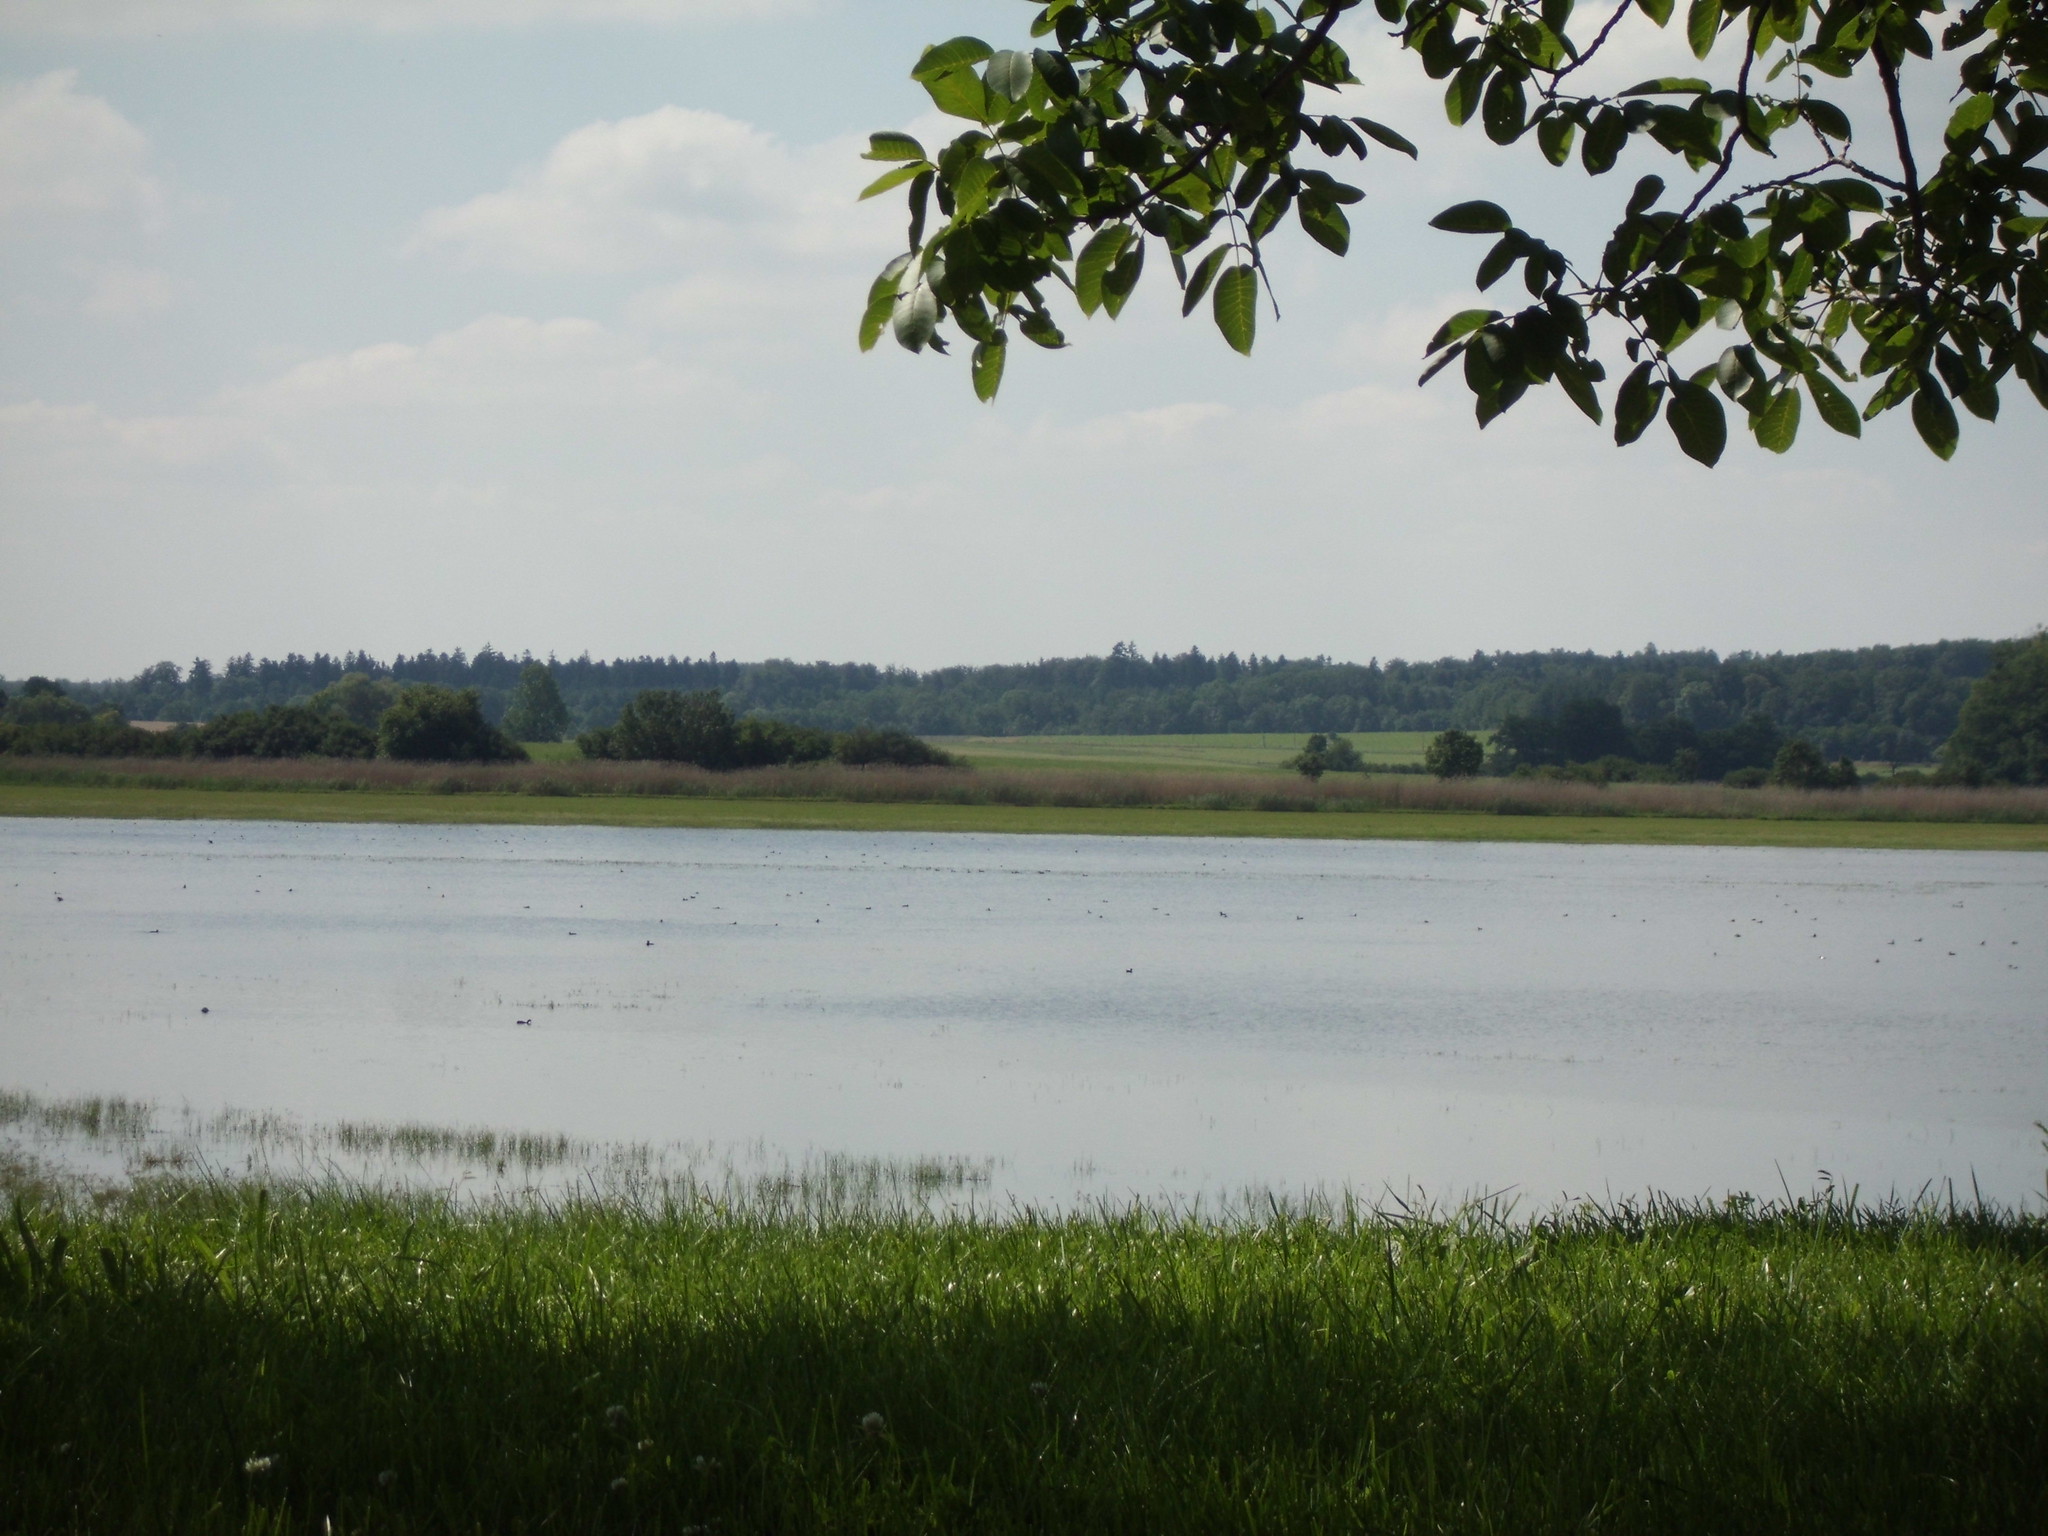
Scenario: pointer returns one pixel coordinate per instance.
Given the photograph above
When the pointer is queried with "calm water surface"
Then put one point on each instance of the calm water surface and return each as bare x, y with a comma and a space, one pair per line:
1161, 1017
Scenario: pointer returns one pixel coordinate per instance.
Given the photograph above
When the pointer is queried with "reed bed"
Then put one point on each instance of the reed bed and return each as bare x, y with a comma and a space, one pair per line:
218, 1356
1043, 787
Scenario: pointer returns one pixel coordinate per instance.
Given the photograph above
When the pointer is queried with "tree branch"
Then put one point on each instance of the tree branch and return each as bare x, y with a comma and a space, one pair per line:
1888, 71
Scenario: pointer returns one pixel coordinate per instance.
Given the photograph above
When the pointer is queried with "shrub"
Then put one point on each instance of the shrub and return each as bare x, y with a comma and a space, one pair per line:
1454, 755
357, 696
764, 743
868, 745
433, 724
664, 726
282, 730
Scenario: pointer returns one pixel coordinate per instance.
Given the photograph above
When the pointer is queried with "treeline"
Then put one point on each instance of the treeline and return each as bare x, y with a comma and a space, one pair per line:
1895, 703
363, 717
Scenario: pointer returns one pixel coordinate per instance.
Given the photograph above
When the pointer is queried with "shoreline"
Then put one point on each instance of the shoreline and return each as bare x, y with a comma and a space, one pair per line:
144, 803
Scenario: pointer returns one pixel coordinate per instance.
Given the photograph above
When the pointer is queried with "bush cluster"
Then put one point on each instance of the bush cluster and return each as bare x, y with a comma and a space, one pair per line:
1588, 739
423, 723
666, 726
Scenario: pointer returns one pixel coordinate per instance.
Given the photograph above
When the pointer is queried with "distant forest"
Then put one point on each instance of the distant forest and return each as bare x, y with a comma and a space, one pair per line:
1886, 703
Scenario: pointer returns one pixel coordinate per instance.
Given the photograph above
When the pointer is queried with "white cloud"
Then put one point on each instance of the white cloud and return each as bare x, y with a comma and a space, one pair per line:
131, 18
673, 189
121, 291
66, 156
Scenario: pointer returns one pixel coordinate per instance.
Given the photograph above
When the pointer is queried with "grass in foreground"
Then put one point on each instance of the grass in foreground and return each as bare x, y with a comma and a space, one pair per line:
222, 1358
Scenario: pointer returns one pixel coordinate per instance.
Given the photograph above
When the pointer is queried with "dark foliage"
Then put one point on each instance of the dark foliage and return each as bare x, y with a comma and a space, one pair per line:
764, 743
1455, 754
105, 736
1588, 731
282, 730
432, 724
1799, 765
2002, 736
537, 712
1322, 754
866, 747
1896, 703
664, 726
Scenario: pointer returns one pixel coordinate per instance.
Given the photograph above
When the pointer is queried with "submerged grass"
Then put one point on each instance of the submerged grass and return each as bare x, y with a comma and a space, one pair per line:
222, 1357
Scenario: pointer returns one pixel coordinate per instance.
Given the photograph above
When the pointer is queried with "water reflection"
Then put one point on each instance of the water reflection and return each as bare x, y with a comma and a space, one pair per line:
1078, 1016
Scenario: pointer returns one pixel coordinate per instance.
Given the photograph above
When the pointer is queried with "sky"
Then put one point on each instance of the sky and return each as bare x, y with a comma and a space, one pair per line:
404, 324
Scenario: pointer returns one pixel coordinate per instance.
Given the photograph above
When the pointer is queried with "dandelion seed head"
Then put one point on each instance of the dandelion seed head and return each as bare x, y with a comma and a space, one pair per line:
618, 1485
615, 1415
256, 1466
386, 1478
874, 1425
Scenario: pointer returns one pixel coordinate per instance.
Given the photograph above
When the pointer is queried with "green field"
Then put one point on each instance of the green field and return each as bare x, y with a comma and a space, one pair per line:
1239, 753
221, 1358
127, 802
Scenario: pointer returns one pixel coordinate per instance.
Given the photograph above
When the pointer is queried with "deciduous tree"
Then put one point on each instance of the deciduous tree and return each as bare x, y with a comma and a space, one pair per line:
1190, 129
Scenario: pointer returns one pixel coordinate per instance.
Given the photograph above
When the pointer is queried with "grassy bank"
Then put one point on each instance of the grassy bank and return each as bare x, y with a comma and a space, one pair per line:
908, 799
137, 802
228, 1359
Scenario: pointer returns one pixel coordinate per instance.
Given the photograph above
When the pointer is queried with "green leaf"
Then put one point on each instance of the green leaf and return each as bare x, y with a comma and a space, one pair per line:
1836, 409
1778, 424
1505, 109
1237, 306
1935, 418
1635, 403
1670, 85
1097, 257
1474, 218
1204, 275
1697, 421
1572, 379
1009, 74
1554, 137
987, 366
916, 318
1463, 323
1973, 114
1118, 282
1461, 96
1703, 26
970, 188
889, 179
1386, 136
1856, 196
1827, 117
1326, 225
1604, 141
1647, 191
960, 93
893, 146
881, 303
1658, 11
944, 58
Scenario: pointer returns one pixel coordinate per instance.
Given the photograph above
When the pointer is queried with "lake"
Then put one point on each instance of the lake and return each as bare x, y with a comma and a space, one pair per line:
1068, 1018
